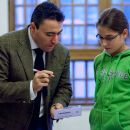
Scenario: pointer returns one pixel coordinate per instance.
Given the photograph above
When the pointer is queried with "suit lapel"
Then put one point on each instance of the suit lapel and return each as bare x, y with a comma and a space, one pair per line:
25, 55
50, 65
50, 61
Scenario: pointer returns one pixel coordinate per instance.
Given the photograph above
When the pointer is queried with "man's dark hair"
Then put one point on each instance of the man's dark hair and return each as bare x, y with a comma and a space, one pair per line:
46, 10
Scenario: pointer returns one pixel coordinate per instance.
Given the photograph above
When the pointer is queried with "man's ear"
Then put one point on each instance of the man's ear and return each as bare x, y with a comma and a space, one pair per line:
32, 26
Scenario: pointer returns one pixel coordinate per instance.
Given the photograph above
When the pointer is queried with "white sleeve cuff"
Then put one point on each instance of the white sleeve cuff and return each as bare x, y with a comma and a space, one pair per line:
32, 94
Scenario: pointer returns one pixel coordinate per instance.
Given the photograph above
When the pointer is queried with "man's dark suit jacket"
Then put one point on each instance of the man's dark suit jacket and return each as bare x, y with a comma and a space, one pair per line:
16, 71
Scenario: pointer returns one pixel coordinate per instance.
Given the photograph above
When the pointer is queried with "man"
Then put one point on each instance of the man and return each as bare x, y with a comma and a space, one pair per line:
20, 85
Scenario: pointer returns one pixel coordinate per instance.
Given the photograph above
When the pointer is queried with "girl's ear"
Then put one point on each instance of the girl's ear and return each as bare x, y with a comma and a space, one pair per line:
125, 33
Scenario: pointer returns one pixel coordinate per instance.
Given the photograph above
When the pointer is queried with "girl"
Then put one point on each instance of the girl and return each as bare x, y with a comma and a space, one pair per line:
112, 74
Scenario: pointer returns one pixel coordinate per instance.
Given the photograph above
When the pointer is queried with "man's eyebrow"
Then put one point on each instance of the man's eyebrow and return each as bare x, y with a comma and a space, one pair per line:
60, 31
55, 32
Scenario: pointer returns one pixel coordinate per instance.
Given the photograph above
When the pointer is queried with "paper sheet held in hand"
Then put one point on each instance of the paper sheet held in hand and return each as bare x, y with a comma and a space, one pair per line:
70, 111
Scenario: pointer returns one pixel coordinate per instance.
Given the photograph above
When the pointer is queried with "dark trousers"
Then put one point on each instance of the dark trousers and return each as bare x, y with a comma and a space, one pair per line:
39, 124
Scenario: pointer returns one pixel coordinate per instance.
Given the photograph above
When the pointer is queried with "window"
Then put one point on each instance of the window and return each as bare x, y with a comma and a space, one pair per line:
79, 35
22, 12
81, 16
82, 79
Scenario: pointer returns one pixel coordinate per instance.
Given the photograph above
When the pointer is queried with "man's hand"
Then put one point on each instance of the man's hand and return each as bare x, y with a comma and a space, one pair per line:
41, 79
54, 107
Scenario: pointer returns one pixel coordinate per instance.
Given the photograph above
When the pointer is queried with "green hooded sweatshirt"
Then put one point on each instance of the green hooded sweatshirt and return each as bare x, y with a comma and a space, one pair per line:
112, 95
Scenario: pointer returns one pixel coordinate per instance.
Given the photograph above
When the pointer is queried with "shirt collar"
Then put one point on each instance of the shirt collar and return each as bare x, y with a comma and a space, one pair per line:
32, 42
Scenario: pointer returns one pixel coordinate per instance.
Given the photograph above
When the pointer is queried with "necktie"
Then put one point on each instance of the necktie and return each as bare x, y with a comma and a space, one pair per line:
39, 65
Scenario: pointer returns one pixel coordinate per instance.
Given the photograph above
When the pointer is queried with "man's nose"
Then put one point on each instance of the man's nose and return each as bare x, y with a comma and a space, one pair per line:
55, 39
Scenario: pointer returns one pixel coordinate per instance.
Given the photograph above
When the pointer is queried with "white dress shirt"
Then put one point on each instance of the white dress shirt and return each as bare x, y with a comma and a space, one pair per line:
32, 94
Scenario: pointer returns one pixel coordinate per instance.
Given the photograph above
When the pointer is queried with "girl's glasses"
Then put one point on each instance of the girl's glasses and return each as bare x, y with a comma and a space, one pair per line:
107, 38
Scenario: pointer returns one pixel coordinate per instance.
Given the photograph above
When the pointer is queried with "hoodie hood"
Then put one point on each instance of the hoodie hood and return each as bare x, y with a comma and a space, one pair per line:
122, 54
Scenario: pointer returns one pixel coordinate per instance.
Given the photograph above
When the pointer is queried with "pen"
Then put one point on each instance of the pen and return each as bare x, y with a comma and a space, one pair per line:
35, 70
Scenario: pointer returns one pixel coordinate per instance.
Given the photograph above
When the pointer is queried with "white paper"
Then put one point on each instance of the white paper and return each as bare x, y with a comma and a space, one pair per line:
66, 112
